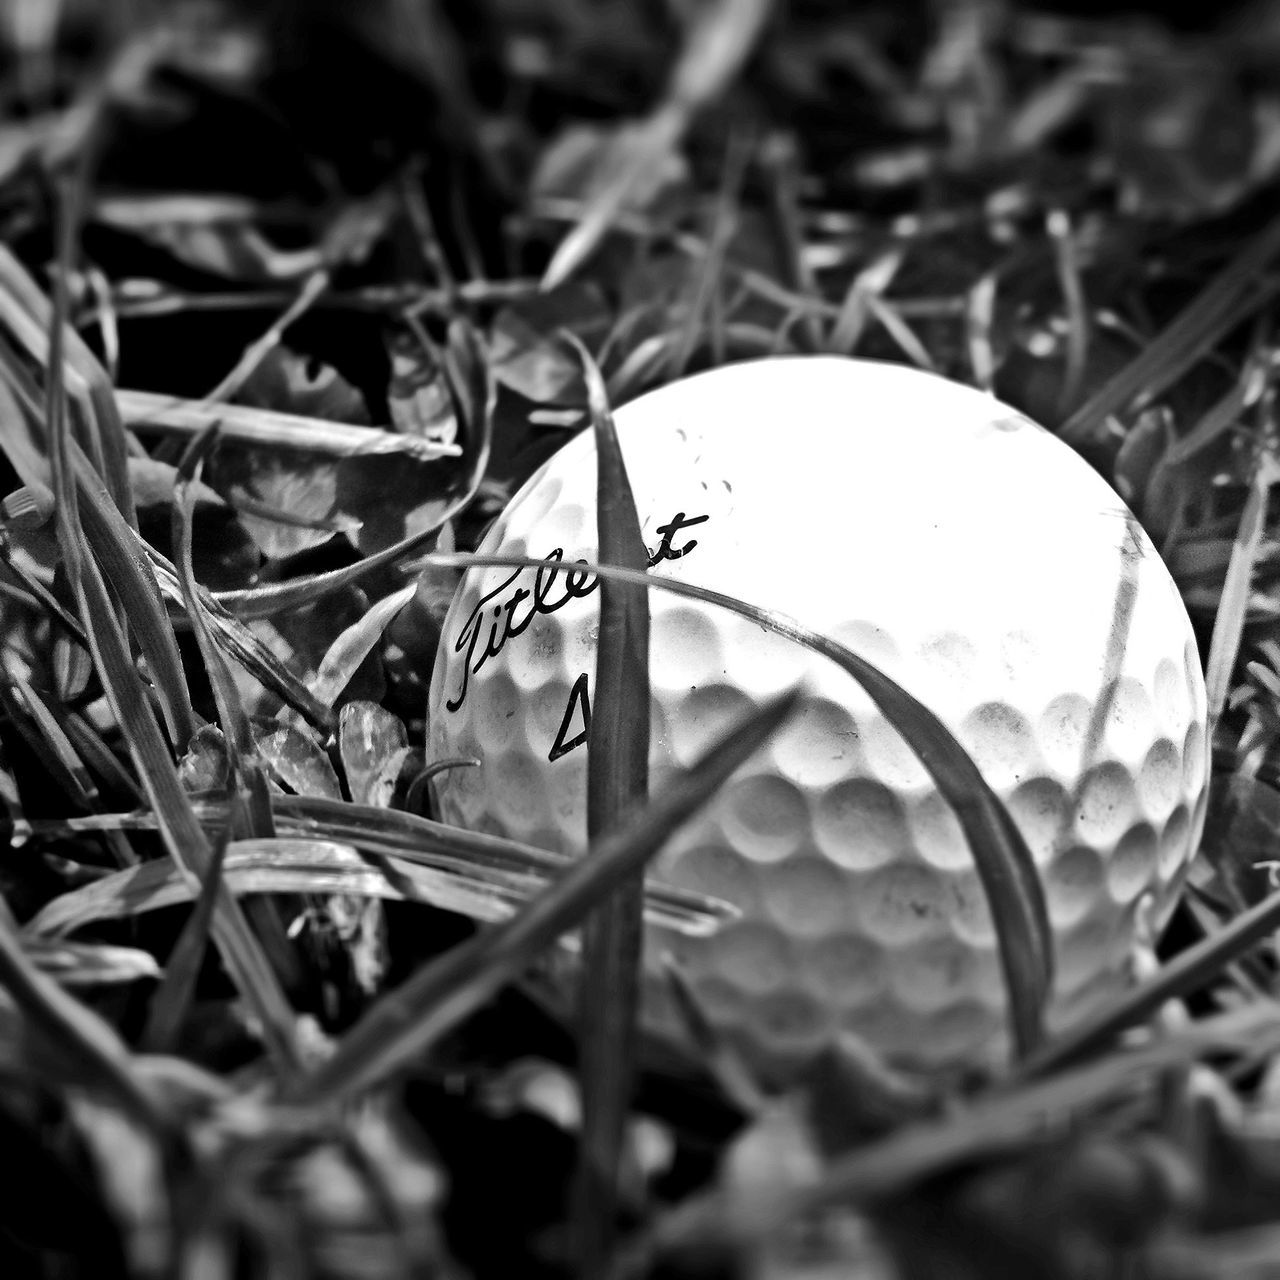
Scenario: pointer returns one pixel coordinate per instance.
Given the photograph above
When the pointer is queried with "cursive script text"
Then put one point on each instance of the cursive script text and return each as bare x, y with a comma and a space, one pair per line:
507, 611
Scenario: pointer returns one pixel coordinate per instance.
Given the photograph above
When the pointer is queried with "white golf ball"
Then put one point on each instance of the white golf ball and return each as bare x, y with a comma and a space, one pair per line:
965, 551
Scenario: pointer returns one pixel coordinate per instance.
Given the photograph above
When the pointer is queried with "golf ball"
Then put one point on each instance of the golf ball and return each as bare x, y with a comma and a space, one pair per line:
964, 550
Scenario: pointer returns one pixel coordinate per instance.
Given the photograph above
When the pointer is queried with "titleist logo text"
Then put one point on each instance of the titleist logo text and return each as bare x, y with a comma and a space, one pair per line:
499, 617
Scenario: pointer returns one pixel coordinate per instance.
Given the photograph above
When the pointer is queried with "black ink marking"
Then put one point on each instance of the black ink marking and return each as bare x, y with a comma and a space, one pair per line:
494, 621
668, 531
579, 701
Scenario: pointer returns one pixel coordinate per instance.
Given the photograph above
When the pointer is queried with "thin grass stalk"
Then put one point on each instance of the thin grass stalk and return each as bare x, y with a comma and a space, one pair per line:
617, 785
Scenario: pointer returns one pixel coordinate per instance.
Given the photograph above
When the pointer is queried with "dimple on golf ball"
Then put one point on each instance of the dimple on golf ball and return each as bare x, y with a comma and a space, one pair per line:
953, 543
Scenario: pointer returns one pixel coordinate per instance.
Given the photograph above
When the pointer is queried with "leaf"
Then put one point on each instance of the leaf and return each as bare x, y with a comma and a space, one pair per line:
374, 745
418, 395
345, 655
204, 766
296, 759
298, 640
291, 382
526, 353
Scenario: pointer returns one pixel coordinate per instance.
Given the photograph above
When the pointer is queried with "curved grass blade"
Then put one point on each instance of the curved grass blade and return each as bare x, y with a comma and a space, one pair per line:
251, 815
1003, 861
343, 657
245, 647
617, 785
127, 698
242, 754
439, 996
489, 871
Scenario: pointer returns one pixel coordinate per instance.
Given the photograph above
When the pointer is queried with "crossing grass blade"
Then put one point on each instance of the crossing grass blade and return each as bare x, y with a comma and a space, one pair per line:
617, 785
405, 1023
252, 816
1238, 291
1004, 864
479, 875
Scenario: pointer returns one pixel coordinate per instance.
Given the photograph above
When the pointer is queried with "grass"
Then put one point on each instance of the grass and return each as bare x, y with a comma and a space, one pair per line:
291, 303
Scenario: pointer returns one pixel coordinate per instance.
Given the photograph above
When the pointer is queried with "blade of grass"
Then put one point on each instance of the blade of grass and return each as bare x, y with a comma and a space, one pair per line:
251, 814
721, 39
1228, 625
125, 695
617, 785
284, 865
455, 870
242, 644
113, 541
444, 992
171, 1001
61, 758
1235, 293
87, 1042
1255, 378
1189, 971
269, 428
183, 836
344, 656
1005, 866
